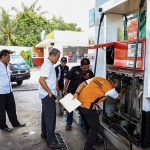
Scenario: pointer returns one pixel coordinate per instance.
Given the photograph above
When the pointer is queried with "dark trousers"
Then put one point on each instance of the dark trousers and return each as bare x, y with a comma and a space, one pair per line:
48, 117
7, 104
92, 124
69, 118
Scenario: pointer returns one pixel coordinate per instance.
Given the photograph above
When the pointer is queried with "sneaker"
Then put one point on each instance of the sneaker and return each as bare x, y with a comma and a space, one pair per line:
44, 136
54, 144
68, 127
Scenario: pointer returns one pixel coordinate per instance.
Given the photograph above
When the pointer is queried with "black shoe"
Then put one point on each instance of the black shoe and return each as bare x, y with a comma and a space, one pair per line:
21, 125
7, 129
44, 136
54, 144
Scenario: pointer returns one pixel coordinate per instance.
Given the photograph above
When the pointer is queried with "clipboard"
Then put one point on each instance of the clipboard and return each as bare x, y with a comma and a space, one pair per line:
69, 103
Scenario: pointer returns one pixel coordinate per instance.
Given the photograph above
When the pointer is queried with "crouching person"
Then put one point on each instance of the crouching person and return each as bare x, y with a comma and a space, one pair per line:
90, 93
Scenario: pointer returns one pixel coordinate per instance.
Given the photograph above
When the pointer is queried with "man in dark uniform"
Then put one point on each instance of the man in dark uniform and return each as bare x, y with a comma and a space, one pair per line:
61, 71
75, 76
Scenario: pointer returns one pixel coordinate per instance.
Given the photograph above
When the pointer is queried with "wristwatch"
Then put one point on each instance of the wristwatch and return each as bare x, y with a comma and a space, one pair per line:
77, 93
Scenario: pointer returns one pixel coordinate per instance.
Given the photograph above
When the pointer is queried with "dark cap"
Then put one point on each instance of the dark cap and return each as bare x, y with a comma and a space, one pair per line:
64, 59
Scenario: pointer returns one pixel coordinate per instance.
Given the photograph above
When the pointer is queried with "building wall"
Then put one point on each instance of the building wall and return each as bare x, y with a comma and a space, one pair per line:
38, 61
37, 56
38, 51
70, 42
71, 38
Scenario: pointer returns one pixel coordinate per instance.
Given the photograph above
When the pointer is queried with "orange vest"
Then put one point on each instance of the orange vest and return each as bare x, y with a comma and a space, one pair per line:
89, 96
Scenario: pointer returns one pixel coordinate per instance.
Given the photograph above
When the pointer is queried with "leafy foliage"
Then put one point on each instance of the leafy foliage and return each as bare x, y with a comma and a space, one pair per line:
25, 54
26, 28
7, 29
59, 24
29, 28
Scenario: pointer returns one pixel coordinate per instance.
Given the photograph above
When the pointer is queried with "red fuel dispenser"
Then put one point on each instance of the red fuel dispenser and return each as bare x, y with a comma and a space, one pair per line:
124, 52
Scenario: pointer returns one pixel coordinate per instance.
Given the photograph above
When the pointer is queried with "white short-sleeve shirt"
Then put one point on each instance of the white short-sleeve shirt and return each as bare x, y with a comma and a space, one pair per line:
5, 84
111, 93
48, 71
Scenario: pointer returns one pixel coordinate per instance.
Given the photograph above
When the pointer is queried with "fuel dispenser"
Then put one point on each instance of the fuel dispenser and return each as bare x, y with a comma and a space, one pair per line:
124, 54
131, 60
120, 60
115, 111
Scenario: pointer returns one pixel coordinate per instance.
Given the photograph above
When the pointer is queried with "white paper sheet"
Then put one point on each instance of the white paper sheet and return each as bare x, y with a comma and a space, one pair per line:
69, 103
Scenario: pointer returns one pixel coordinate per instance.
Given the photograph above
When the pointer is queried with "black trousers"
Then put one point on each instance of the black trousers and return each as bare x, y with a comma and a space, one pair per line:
92, 124
48, 117
7, 104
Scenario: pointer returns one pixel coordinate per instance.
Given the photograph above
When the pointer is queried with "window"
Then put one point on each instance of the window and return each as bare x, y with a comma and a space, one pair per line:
75, 54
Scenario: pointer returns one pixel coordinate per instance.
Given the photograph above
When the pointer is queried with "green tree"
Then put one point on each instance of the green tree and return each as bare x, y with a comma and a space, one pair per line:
29, 28
59, 24
32, 8
7, 29
25, 55
30, 23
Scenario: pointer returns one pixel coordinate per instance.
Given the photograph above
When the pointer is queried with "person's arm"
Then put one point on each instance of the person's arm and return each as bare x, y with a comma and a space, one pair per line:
57, 72
121, 94
65, 86
68, 77
113, 93
57, 85
44, 85
80, 87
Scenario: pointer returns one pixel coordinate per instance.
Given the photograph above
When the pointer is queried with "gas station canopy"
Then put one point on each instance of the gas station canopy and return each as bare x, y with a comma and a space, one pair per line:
45, 43
122, 7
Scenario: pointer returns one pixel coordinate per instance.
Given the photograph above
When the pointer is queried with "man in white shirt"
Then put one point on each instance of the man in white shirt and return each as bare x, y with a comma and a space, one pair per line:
7, 102
90, 93
47, 92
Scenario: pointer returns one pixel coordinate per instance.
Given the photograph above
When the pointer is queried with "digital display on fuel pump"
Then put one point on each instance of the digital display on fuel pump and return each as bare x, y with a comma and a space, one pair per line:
132, 48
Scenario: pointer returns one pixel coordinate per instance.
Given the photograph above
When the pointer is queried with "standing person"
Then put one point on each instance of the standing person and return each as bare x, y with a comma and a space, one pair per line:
75, 76
90, 93
7, 102
61, 71
47, 92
